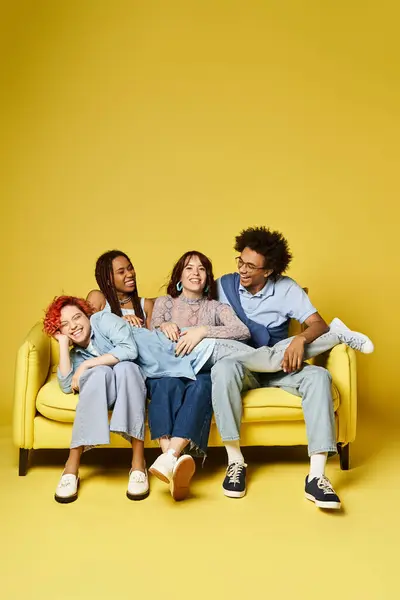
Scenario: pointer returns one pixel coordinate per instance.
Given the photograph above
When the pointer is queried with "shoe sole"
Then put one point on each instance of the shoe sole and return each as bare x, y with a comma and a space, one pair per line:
330, 505
181, 478
230, 494
159, 475
68, 499
137, 496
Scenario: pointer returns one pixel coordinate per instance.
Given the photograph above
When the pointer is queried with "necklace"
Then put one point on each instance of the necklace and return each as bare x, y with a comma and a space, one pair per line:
125, 301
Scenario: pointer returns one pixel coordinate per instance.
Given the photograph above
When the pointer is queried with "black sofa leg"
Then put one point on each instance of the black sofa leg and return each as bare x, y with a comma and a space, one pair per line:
23, 461
344, 456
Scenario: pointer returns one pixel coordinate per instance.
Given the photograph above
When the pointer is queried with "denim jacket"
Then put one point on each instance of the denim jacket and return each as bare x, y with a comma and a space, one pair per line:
151, 350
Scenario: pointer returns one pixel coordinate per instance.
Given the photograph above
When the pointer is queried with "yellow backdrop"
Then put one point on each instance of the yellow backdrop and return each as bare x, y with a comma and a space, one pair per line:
156, 127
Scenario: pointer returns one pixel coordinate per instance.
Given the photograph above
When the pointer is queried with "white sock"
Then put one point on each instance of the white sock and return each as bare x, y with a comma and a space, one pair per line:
317, 465
234, 452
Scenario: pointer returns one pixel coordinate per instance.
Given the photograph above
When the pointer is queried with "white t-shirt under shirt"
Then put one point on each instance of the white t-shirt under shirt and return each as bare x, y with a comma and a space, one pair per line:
127, 311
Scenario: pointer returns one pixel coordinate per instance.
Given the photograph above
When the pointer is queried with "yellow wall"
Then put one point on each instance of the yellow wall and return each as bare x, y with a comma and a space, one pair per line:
161, 126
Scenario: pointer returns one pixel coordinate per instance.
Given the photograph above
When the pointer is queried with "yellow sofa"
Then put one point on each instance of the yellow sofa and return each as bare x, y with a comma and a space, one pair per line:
43, 414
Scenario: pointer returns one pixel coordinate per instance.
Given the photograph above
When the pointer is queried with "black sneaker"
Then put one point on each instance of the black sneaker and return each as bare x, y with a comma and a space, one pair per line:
320, 491
235, 480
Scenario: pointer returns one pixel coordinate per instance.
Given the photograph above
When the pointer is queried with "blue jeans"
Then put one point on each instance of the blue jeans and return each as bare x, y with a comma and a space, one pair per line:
313, 384
181, 407
120, 388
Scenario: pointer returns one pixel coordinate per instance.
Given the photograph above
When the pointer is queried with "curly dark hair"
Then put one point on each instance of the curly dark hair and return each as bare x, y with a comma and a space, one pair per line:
176, 274
270, 244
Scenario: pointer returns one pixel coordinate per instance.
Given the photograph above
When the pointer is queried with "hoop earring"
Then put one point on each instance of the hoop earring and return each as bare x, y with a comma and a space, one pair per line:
179, 286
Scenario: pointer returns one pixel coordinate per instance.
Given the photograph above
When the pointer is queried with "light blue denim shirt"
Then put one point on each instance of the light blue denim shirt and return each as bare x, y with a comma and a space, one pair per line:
151, 350
275, 303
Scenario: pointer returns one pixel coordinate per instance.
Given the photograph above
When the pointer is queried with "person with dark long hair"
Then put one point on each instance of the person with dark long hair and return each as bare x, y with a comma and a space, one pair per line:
116, 278
182, 419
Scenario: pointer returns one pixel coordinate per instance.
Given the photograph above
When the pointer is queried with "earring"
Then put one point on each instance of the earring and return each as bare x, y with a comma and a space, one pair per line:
206, 290
179, 286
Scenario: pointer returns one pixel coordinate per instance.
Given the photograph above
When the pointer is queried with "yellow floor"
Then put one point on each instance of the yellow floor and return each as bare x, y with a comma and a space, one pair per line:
271, 544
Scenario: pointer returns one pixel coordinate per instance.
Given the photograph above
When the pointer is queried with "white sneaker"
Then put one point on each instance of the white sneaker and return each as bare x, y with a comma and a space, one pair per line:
67, 489
354, 339
163, 466
183, 472
138, 485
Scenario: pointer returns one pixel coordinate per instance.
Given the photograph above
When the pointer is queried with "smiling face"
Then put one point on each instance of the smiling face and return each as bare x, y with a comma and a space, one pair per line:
252, 270
75, 325
124, 275
193, 276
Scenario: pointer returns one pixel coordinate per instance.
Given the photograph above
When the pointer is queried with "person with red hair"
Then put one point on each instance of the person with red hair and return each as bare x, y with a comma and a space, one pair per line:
100, 367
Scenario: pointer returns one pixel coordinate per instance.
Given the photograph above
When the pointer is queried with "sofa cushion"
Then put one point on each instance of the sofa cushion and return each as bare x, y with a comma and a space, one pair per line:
263, 404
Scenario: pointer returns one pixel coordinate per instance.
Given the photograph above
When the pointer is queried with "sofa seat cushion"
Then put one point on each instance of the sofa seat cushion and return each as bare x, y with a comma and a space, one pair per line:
263, 404
275, 404
52, 403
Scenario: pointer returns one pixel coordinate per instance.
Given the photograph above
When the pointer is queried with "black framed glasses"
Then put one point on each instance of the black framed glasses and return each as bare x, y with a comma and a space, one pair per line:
249, 266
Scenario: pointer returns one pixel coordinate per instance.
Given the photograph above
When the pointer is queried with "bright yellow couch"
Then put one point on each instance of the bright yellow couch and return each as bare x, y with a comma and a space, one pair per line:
43, 414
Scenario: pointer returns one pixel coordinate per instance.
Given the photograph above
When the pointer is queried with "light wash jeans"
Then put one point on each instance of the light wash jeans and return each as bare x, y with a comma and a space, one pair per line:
121, 388
232, 374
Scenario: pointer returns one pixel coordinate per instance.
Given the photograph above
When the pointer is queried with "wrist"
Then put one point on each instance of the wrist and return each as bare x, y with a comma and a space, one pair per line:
302, 338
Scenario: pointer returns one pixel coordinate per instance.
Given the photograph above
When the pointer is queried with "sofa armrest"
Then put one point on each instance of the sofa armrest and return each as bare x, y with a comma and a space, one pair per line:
341, 363
33, 364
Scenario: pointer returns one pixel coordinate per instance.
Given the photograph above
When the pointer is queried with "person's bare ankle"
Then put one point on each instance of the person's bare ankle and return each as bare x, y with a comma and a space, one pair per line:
138, 465
71, 469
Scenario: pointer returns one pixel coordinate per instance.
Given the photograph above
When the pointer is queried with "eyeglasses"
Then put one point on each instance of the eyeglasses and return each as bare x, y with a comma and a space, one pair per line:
249, 266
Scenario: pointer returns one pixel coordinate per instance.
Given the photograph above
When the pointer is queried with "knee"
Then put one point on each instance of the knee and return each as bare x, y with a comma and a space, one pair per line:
225, 370
101, 372
202, 385
318, 377
166, 387
127, 367
165, 390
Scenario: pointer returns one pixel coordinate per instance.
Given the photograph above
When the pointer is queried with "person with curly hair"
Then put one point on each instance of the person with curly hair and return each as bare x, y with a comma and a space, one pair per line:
100, 367
266, 300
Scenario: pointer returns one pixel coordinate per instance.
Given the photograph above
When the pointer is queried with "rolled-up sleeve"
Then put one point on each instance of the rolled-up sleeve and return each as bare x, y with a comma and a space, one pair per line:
120, 335
65, 381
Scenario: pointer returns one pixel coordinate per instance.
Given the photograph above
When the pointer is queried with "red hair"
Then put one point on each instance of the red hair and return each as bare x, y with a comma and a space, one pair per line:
52, 319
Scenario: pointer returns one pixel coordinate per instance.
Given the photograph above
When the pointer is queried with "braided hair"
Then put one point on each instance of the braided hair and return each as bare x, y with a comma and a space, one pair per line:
105, 280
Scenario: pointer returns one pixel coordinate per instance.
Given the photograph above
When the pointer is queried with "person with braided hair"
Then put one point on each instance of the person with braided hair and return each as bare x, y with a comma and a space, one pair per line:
116, 278
189, 401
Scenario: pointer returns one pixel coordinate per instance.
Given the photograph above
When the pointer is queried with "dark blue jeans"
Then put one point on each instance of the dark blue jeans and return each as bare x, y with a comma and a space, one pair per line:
181, 407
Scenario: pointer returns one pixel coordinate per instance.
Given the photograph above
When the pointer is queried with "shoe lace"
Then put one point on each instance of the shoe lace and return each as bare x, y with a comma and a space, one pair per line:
138, 477
233, 472
325, 485
354, 342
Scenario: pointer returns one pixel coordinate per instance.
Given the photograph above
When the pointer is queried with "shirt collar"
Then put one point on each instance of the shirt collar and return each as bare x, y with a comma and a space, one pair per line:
265, 292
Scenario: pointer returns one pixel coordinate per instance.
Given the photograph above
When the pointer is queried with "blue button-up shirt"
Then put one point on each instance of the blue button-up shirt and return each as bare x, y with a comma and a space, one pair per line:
151, 350
275, 303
